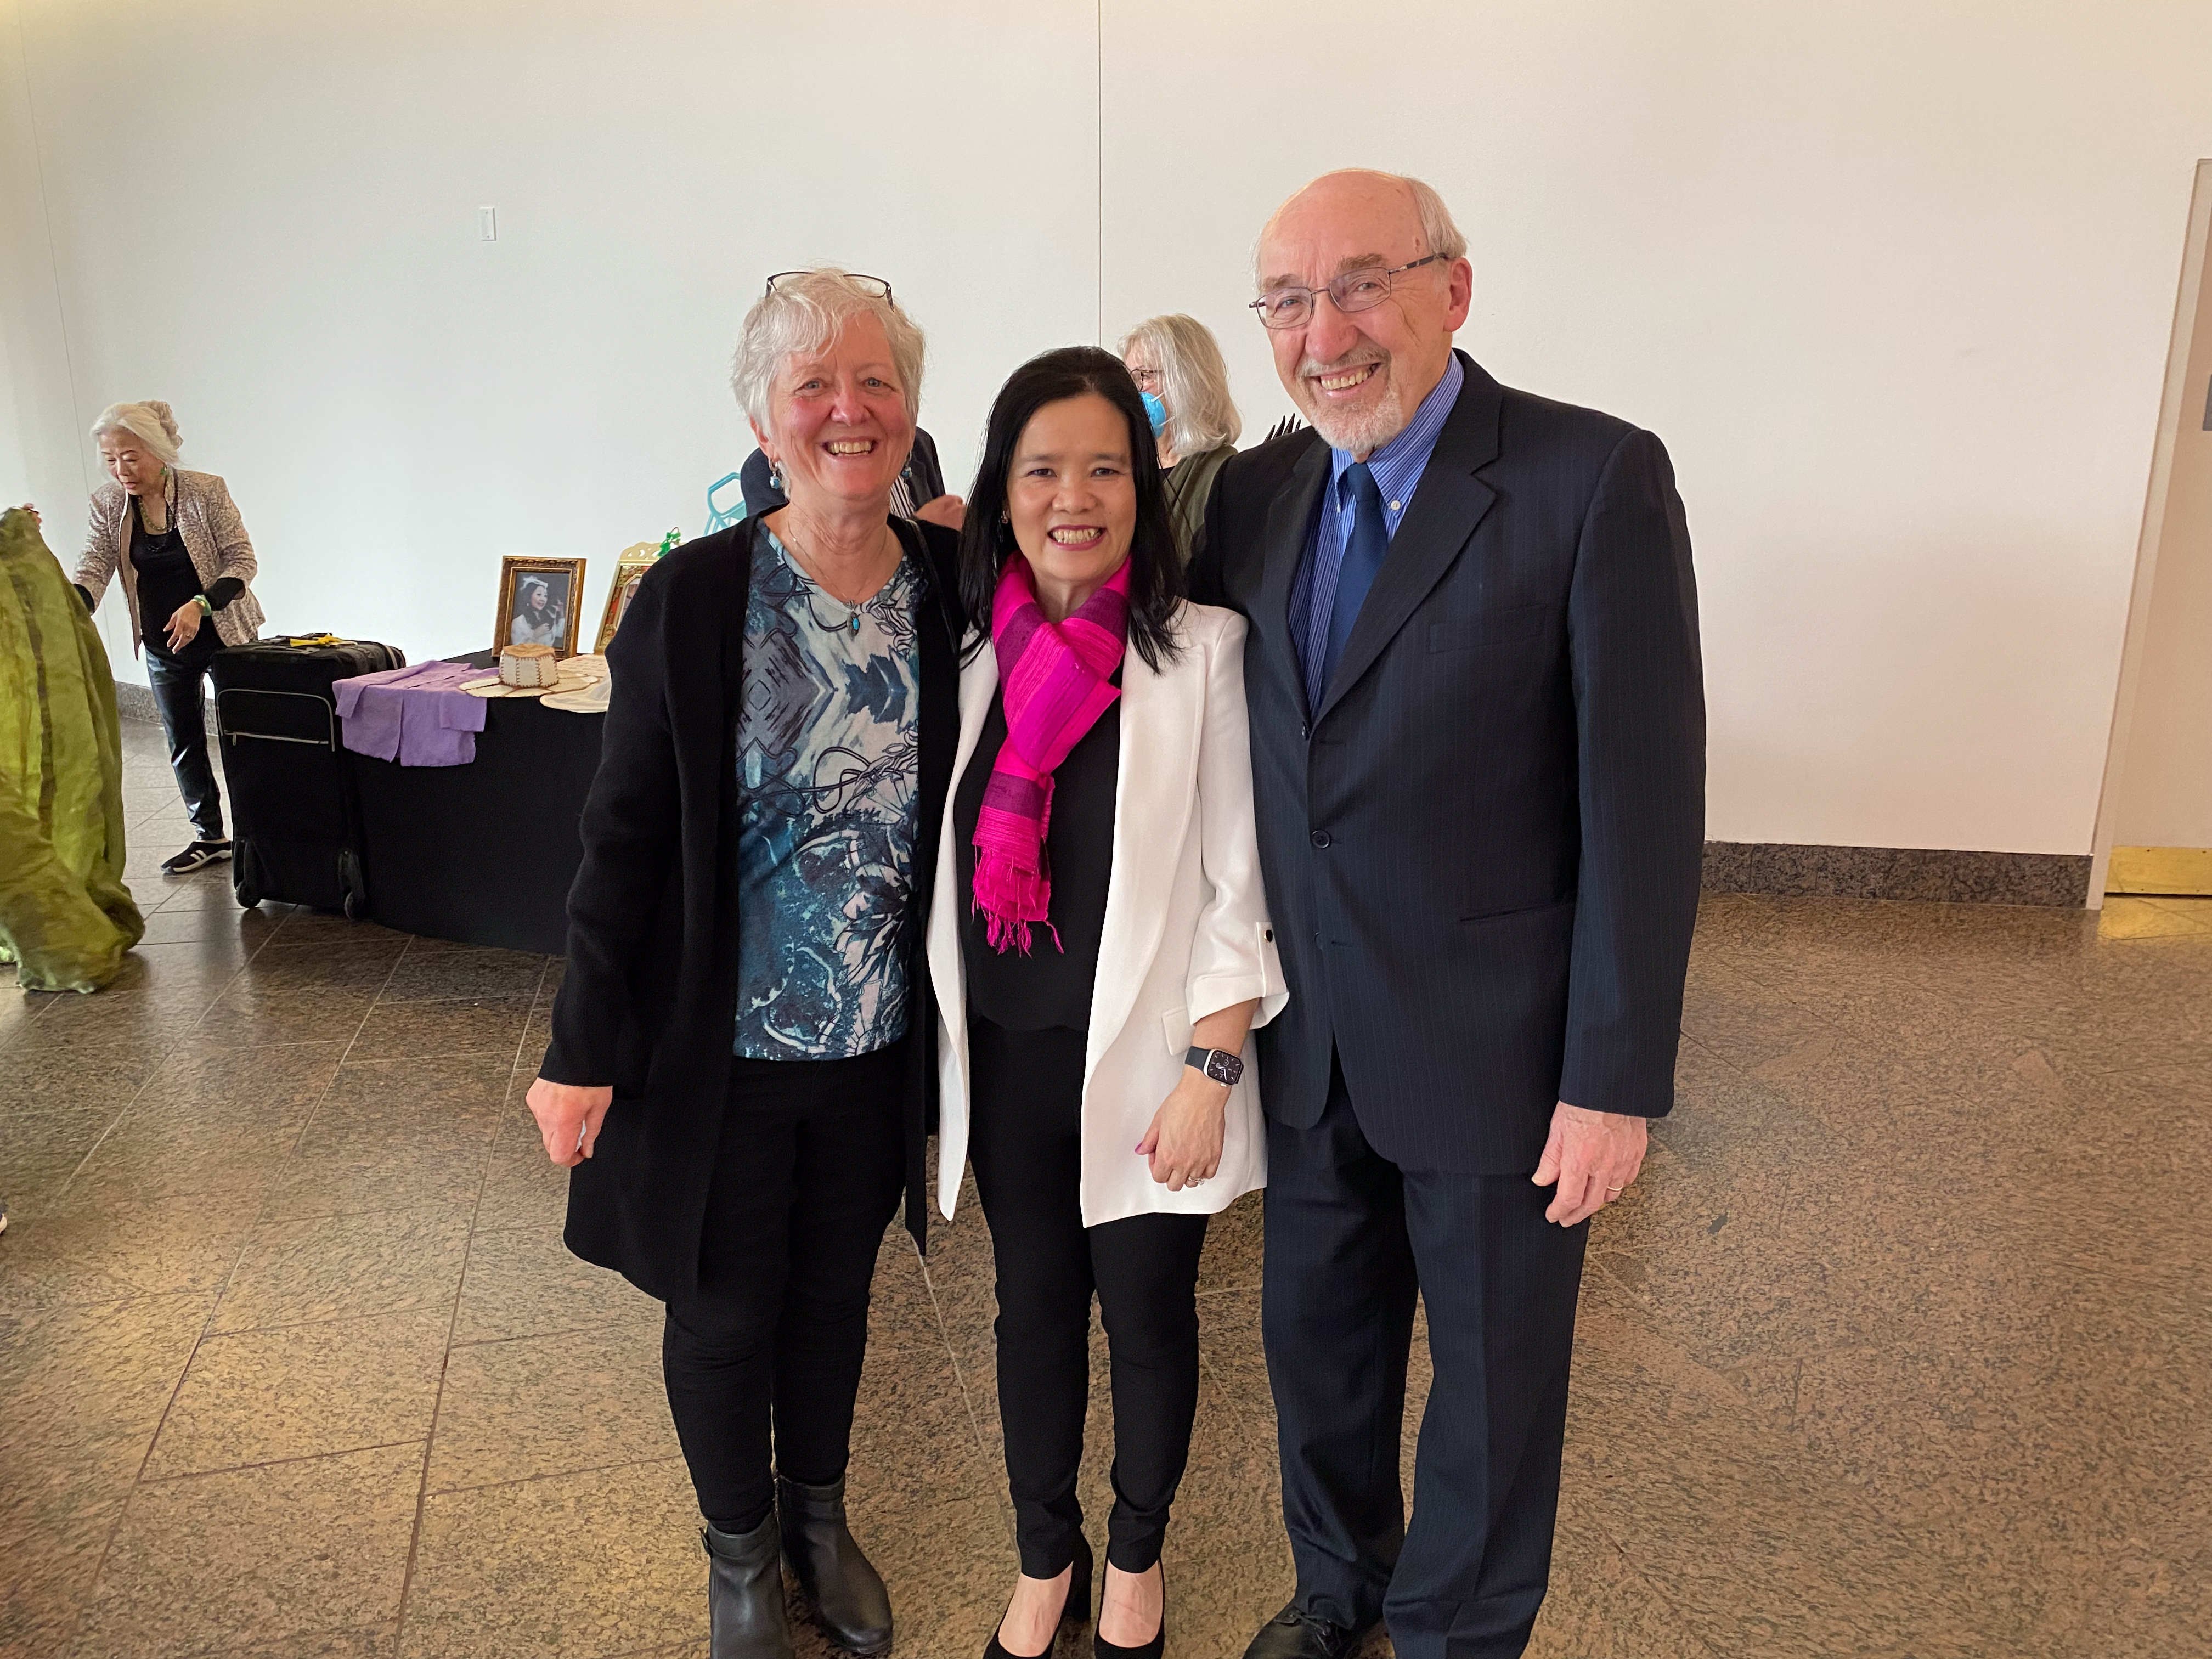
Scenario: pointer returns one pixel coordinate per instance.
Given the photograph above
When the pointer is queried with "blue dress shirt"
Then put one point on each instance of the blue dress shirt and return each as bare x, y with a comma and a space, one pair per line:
1397, 467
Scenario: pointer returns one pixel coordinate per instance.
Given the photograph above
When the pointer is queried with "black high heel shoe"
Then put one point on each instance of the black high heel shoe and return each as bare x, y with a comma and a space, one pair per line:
1075, 1610
1103, 1648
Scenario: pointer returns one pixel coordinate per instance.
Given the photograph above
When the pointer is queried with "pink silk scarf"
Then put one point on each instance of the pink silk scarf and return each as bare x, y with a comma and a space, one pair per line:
1056, 680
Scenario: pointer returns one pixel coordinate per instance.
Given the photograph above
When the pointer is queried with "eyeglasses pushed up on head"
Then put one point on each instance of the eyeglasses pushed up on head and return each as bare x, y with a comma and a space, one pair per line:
1291, 307
875, 287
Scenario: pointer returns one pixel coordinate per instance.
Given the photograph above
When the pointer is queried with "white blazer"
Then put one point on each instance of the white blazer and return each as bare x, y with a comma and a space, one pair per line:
1186, 934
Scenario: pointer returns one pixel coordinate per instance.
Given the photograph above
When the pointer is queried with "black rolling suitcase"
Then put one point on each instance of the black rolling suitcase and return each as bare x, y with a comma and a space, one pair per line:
293, 826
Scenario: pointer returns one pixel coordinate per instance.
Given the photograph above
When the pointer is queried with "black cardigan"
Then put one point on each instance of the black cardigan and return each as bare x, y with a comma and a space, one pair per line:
649, 1003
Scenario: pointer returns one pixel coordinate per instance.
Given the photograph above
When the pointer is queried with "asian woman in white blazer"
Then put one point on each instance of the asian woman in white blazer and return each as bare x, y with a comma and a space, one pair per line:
1100, 948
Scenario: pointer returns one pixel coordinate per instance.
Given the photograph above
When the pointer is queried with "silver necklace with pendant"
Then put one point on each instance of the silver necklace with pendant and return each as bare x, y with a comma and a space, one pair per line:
852, 621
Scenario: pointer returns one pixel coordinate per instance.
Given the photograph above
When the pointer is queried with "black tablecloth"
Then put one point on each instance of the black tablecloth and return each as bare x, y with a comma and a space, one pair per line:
483, 854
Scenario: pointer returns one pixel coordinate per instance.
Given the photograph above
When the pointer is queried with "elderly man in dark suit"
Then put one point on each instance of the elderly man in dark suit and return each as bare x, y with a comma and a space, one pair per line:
1478, 741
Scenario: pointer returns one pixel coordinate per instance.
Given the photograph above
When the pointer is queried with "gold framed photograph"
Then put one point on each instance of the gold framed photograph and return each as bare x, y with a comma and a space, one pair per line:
630, 570
538, 602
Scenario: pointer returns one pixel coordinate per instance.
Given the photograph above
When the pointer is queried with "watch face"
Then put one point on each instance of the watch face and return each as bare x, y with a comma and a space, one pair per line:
1216, 1063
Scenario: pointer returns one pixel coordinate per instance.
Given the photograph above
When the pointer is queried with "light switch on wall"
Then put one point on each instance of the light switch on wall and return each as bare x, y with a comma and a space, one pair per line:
487, 223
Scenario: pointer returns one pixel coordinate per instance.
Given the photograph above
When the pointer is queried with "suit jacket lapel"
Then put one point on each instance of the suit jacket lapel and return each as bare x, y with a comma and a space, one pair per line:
1448, 504
1290, 522
1154, 792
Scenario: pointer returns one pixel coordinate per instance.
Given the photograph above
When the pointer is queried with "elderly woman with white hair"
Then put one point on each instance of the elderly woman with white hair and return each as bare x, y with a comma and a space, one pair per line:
177, 541
743, 1046
1179, 371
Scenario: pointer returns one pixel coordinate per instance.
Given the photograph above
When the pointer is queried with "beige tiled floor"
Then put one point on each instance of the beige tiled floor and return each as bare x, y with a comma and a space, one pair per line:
1900, 1347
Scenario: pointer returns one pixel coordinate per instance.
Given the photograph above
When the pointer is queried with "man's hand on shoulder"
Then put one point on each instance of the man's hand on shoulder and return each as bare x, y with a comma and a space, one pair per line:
1592, 1156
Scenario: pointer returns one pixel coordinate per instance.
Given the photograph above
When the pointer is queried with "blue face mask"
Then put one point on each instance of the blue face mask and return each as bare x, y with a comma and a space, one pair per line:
1157, 411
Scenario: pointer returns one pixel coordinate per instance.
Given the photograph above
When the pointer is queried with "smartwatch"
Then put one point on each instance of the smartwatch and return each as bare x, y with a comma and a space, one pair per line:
1216, 1063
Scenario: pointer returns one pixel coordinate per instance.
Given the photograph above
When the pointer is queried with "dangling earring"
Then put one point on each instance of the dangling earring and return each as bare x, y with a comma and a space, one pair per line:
775, 477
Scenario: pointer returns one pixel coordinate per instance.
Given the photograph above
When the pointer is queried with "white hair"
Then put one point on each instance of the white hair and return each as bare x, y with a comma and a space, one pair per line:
150, 423
803, 315
1194, 381
1438, 229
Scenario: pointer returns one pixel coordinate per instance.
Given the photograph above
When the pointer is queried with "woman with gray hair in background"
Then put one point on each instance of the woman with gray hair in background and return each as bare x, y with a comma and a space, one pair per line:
745, 1040
186, 561
1179, 373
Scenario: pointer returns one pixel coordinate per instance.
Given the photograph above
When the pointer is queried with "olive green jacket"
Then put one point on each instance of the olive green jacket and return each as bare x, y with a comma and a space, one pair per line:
1189, 481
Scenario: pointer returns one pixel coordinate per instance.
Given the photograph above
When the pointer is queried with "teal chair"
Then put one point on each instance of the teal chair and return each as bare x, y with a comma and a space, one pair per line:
719, 515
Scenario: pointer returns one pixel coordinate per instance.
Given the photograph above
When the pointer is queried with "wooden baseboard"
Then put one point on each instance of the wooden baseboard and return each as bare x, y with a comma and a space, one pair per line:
2182, 871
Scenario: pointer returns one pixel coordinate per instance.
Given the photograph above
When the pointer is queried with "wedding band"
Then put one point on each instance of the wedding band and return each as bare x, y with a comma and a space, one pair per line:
1616, 1189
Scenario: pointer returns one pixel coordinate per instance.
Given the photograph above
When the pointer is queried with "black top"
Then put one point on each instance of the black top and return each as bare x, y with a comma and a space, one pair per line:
650, 998
167, 582
1047, 988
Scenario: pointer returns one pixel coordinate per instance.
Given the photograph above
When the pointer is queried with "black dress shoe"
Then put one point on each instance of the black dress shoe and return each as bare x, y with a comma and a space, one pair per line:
1075, 1610
850, 1602
744, 1594
1294, 1633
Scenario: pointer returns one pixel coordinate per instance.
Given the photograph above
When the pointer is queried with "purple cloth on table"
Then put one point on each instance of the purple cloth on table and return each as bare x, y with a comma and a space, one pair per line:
418, 716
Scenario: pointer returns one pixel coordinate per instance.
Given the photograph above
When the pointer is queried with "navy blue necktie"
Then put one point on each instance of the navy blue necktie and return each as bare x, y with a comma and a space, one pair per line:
1363, 557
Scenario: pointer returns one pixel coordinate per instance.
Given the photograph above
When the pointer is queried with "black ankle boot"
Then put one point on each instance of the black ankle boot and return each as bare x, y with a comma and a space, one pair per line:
850, 1602
744, 1594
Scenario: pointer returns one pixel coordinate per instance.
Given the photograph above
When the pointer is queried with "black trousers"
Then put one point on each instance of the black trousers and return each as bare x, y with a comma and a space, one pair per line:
810, 1169
1351, 1239
1026, 1144
184, 722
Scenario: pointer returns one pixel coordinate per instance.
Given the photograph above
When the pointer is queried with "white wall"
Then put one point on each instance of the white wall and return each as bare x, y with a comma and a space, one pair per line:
1894, 282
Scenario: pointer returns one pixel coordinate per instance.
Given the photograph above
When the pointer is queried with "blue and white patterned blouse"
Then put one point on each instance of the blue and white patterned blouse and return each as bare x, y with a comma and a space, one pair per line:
828, 756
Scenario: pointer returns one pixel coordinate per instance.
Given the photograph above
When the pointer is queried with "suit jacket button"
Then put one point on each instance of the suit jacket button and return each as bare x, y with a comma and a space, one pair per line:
1305, 732
1321, 837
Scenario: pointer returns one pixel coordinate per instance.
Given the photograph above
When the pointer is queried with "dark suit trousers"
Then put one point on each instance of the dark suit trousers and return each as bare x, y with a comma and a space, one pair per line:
811, 1161
1352, 1239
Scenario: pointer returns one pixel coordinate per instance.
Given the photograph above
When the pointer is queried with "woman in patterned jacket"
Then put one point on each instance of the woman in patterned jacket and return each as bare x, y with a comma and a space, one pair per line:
186, 564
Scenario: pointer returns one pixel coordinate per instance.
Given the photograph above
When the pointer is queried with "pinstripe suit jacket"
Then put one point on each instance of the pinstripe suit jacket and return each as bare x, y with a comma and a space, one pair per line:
1482, 849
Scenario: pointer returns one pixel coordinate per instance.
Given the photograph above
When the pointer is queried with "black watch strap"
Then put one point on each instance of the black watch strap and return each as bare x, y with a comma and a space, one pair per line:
1216, 1063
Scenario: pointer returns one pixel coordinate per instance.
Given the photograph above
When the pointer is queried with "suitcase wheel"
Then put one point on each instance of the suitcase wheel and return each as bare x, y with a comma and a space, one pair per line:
355, 902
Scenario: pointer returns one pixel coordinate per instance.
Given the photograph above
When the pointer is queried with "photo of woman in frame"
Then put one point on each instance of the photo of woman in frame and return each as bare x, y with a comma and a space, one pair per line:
538, 603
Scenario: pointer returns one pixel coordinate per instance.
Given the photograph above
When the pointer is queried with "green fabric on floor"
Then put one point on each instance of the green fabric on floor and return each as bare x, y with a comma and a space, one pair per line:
66, 919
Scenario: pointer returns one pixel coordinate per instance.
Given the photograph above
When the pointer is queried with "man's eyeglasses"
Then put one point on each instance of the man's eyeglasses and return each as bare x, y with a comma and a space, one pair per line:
1356, 290
874, 287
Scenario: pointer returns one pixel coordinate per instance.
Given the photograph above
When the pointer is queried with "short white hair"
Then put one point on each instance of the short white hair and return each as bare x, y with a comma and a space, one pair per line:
150, 423
1194, 381
802, 315
1438, 228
